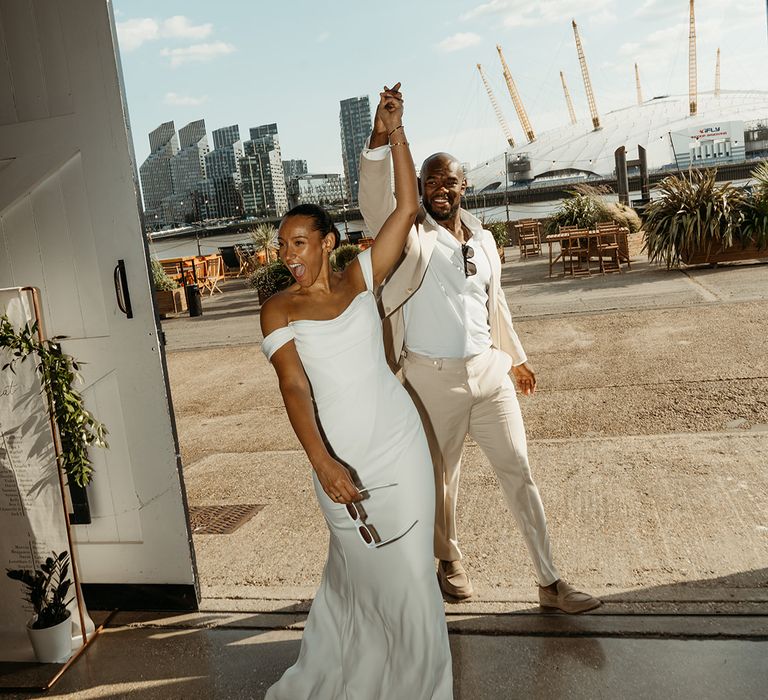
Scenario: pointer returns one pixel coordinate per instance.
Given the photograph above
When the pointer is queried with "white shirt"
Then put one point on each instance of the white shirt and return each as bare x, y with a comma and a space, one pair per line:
447, 316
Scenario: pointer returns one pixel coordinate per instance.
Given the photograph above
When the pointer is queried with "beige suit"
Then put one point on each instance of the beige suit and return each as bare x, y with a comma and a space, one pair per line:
472, 396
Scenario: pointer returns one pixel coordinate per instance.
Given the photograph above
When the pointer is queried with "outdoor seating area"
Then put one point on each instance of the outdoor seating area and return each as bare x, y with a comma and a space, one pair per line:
206, 271
529, 234
583, 251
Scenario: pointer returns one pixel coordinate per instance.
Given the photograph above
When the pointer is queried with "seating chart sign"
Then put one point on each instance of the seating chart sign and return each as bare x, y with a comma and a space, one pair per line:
32, 516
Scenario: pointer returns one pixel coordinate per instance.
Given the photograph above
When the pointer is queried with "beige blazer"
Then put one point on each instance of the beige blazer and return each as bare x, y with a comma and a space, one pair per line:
376, 203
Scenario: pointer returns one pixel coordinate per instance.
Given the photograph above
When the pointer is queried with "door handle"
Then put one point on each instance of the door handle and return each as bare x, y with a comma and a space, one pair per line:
121, 289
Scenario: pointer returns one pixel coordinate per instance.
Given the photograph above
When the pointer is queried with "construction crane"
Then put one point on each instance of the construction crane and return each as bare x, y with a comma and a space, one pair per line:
692, 86
587, 82
515, 95
497, 109
639, 89
717, 74
571, 112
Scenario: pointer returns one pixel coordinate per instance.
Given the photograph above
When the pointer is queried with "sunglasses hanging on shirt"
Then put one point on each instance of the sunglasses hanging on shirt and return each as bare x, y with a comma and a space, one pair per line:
468, 253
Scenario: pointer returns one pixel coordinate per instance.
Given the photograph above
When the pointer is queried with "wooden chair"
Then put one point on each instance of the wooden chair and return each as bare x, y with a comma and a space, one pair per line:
172, 269
529, 239
248, 261
608, 247
214, 273
575, 249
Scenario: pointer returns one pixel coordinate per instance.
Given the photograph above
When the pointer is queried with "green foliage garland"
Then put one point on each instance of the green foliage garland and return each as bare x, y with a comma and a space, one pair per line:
77, 427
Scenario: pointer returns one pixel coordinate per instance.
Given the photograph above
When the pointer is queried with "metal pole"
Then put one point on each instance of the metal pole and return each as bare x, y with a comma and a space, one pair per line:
506, 184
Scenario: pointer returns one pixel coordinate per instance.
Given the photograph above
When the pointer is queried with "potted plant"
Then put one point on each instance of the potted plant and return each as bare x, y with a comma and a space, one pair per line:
50, 629
696, 221
170, 296
498, 230
269, 279
263, 237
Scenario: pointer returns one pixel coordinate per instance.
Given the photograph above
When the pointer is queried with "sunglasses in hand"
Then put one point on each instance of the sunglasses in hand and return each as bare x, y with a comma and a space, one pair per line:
367, 532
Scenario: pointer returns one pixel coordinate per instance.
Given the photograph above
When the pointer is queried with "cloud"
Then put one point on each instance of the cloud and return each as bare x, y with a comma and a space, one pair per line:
518, 13
197, 53
322, 37
172, 98
132, 33
459, 41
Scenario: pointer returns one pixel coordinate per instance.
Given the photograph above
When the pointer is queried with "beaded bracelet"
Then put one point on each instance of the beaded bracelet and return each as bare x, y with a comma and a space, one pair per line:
399, 143
394, 130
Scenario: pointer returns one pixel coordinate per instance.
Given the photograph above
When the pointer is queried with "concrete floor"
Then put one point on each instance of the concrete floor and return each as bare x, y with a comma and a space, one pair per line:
234, 657
648, 439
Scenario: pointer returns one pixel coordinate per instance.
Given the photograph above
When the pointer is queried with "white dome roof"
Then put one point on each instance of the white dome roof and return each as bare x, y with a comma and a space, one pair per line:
579, 150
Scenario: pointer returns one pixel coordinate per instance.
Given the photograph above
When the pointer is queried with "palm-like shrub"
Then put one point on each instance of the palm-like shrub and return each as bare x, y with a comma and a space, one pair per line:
270, 279
498, 230
344, 255
693, 214
163, 283
754, 228
264, 237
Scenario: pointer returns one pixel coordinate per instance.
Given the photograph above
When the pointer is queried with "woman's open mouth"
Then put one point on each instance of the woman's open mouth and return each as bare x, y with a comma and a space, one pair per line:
297, 270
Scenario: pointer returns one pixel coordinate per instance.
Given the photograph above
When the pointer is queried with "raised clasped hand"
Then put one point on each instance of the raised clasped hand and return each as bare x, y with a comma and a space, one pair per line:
389, 112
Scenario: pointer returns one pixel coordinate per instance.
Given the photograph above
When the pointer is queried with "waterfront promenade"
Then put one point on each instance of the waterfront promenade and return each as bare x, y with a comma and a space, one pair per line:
649, 441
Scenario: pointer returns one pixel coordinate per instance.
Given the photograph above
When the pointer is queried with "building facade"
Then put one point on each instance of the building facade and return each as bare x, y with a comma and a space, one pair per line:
156, 175
325, 189
261, 173
292, 169
187, 172
355, 124
220, 190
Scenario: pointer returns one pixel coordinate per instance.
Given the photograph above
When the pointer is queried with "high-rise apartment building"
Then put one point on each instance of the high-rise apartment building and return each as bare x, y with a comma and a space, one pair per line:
261, 173
355, 122
155, 173
221, 188
187, 171
324, 189
292, 169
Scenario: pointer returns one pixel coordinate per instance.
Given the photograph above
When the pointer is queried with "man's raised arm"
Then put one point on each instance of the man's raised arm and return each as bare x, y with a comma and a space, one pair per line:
375, 195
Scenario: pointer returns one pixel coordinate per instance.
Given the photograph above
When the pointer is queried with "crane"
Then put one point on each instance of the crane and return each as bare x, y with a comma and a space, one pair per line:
571, 112
497, 109
717, 74
587, 82
639, 89
692, 86
515, 95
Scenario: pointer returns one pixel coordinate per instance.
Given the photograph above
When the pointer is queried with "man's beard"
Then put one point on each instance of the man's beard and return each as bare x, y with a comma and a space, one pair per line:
440, 217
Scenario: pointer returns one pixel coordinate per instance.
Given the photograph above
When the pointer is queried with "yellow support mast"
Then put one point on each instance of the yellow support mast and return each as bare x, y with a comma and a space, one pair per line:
515, 95
568, 101
717, 74
692, 73
499, 115
587, 82
639, 89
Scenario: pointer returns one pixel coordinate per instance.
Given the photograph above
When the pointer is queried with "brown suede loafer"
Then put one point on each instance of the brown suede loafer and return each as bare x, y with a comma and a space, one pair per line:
567, 599
454, 582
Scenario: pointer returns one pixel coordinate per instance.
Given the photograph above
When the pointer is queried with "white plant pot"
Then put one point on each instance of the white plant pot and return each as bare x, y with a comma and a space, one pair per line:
52, 644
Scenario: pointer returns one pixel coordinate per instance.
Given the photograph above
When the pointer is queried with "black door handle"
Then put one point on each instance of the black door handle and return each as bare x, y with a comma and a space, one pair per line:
121, 289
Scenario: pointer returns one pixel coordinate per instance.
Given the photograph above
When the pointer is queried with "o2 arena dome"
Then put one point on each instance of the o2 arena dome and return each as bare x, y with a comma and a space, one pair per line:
676, 131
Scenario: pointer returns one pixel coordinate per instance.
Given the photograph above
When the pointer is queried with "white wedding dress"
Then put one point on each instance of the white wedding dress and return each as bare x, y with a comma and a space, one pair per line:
376, 629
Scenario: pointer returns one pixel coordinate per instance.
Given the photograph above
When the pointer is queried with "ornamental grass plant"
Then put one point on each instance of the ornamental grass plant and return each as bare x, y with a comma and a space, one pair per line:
344, 255
694, 214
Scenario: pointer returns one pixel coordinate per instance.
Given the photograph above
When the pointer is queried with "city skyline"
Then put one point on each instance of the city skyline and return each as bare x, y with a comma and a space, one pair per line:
197, 61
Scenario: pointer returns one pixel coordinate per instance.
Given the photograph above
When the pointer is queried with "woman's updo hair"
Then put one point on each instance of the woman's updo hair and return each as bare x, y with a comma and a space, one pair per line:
320, 218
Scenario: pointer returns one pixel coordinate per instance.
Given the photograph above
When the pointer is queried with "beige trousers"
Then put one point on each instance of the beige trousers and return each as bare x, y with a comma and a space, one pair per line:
477, 397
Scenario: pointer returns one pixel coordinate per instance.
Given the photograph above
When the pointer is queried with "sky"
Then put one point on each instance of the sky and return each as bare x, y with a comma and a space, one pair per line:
252, 63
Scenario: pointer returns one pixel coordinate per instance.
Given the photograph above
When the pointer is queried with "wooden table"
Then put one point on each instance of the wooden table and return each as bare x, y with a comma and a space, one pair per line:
591, 235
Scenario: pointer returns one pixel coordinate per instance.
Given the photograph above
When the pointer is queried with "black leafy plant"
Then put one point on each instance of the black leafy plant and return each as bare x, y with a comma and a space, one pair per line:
47, 589
77, 428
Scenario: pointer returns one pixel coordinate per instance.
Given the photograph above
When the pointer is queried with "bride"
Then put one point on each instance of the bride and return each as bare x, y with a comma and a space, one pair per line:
376, 629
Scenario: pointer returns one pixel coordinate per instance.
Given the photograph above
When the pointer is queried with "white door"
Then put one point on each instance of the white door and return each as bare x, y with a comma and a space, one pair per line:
68, 215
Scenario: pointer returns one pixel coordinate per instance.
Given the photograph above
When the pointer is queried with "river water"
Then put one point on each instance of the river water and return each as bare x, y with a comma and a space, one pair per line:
181, 247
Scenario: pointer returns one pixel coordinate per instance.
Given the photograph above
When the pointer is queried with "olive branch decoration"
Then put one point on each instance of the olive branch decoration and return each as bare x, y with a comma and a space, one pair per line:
77, 427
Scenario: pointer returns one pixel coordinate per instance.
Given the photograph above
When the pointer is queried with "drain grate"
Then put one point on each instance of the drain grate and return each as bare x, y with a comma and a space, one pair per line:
221, 520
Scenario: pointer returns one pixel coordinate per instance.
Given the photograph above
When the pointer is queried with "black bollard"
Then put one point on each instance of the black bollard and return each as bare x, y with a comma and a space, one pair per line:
194, 300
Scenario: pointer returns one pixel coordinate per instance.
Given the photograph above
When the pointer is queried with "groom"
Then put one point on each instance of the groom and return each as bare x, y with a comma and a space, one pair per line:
448, 327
